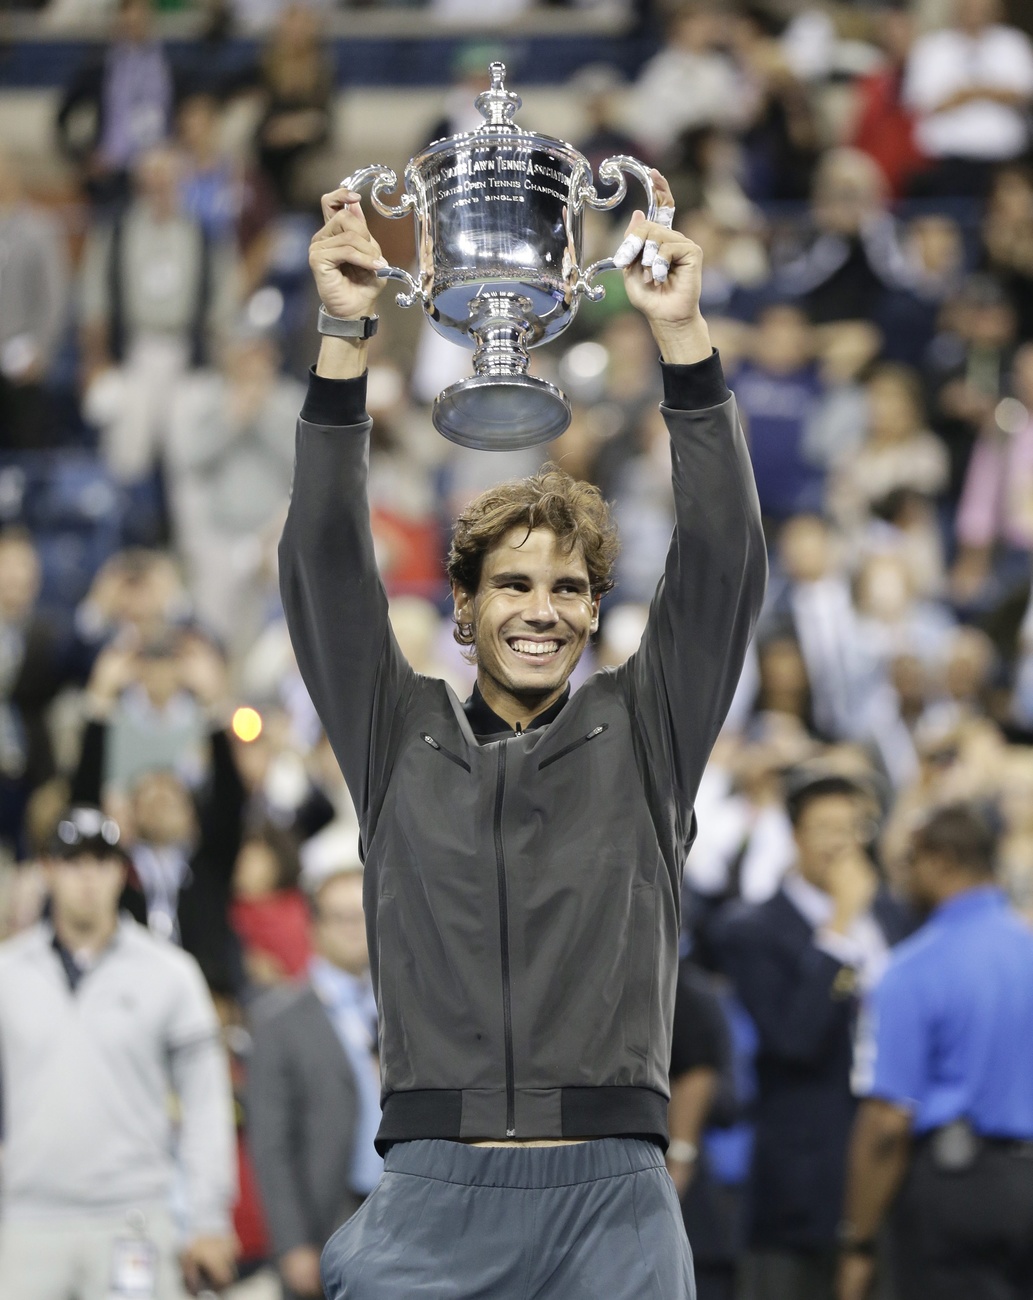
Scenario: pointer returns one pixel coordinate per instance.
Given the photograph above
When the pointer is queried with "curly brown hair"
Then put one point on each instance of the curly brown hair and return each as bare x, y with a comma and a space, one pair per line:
572, 509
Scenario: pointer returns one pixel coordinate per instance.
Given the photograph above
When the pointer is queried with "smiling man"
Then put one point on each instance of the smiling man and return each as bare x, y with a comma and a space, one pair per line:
523, 851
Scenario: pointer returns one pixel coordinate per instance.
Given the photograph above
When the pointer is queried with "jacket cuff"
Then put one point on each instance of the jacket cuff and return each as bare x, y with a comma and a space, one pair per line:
695, 387
333, 402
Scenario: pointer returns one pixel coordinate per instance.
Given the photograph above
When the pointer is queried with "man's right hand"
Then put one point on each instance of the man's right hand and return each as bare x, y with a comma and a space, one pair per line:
299, 1268
345, 258
852, 884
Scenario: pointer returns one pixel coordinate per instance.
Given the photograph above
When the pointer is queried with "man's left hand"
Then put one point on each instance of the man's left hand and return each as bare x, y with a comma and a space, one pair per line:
663, 271
209, 1262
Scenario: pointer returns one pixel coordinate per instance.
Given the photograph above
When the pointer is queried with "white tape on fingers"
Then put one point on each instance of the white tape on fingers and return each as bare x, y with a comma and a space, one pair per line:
628, 251
665, 216
660, 269
649, 252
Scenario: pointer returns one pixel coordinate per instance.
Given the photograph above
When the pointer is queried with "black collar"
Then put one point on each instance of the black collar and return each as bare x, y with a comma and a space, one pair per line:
487, 725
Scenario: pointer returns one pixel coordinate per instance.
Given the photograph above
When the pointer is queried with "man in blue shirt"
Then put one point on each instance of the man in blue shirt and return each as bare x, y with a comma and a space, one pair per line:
945, 1135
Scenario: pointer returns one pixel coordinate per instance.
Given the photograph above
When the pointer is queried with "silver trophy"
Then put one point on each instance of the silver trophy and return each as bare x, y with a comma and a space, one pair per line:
499, 219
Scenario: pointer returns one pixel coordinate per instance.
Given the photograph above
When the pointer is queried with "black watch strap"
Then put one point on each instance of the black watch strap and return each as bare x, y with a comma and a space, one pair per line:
362, 328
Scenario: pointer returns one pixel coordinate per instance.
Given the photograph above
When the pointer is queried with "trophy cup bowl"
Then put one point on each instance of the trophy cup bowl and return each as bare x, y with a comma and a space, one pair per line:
499, 225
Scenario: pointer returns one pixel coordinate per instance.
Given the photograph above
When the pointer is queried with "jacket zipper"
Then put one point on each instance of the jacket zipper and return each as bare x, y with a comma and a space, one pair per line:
574, 744
507, 1001
460, 762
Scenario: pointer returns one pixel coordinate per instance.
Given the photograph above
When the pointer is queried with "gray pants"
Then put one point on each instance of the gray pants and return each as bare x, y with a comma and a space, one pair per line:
70, 1258
454, 1222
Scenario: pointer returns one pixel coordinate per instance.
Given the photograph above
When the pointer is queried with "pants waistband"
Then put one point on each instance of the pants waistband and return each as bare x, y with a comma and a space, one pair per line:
522, 1167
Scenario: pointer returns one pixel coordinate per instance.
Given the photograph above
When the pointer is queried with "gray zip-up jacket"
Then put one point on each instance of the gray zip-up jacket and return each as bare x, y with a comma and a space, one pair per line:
522, 894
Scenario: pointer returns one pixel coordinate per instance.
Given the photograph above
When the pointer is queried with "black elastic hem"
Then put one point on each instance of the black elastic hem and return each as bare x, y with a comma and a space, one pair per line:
695, 387
334, 402
584, 1113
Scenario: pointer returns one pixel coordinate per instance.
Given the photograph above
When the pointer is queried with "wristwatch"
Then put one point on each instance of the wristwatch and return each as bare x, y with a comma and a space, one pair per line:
362, 328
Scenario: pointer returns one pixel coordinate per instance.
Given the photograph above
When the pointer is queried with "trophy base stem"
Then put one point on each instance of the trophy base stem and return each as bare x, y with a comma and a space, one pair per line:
501, 412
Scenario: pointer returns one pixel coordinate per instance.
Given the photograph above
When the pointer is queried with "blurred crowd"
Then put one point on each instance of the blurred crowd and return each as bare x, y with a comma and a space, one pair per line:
860, 182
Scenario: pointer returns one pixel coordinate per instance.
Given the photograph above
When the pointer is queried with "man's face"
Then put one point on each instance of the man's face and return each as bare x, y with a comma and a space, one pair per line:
532, 615
85, 889
829, 827
340, 927
163, 811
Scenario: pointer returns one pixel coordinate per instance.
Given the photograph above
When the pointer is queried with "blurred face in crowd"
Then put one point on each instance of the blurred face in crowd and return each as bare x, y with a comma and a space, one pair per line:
532, 616
159, 674
973, 15
84, 892
1011, 198
19, 577
162, 810
340, 926
884, 588
828, 828
784, 687
697, 30
257, 870
969, 664
935, 243
158, 176
134, 21
804, 548
783, 341
198, 122
849, 187
893, 409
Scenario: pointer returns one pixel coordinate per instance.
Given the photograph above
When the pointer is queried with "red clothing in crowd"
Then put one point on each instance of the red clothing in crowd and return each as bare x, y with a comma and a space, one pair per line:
276, 925
885, 128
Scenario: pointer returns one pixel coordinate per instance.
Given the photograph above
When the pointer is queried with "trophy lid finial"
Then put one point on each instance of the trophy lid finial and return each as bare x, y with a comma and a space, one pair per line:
498, 105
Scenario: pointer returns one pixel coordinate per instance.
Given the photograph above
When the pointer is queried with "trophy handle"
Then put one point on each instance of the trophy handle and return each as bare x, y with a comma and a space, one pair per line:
384, 180
612, 171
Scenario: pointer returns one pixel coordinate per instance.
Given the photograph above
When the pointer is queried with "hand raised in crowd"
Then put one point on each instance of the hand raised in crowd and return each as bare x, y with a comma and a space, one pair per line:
113, 671
209, 1262
202, 670
344, 258
851, 884
299, 1268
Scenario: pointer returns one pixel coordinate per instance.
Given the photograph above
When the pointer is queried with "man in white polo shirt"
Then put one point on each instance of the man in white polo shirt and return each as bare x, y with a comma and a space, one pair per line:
971, 86
113, 1075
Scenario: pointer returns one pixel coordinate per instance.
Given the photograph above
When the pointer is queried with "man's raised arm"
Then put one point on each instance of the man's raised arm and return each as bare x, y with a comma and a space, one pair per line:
333, 599
702, 617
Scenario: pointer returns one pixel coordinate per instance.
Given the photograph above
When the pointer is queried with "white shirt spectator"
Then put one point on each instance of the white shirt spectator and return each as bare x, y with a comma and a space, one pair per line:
941, 64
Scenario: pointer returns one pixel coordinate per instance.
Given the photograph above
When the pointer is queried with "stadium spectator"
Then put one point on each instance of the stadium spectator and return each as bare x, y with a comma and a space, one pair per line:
898, 451
798, 963
854, 257
994, 523
33, 668
314, 1095
970, 87
119, 105
884, 127
34, 299
156, 296
779, 391
100, 1022
943, 1142
182, 851
690, 82
268, 912
293, 80
228, 479
1007, 233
